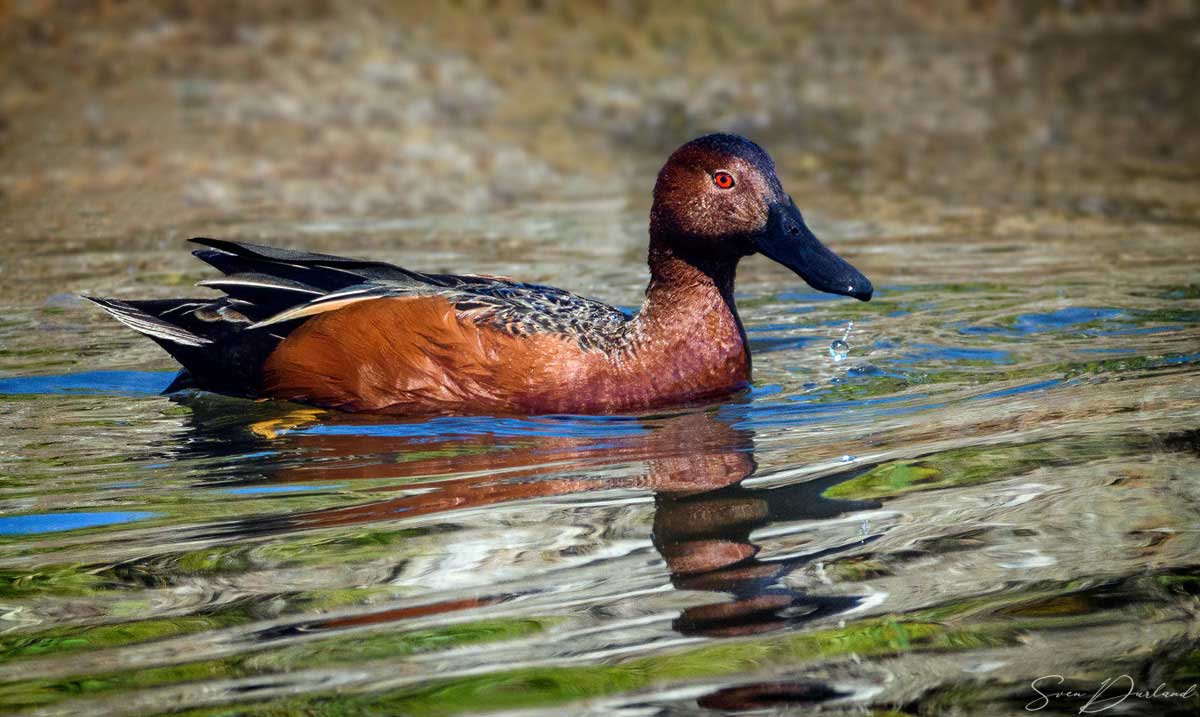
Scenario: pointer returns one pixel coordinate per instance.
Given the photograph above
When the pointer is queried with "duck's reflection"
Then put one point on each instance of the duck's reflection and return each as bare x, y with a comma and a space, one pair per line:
694, 463
706, 539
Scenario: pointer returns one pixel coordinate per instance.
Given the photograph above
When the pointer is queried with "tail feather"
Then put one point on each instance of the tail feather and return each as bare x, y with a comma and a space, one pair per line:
207, 336
148, 324
220, 340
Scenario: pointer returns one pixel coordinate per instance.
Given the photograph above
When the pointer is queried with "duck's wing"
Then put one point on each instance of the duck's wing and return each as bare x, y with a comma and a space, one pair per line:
287, 286
515, 307
274, 280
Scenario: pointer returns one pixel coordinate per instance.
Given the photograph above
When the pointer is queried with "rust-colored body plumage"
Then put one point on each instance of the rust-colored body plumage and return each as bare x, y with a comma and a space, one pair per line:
368, 336
421, 355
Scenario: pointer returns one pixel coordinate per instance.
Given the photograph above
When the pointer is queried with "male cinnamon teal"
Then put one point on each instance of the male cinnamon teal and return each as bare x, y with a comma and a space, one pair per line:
369, 336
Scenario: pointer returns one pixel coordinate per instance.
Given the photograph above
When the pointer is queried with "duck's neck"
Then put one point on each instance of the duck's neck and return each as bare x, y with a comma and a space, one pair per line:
677, 282
689, 316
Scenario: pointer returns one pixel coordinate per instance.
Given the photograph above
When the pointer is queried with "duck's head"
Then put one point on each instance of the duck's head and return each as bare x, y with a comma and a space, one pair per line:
718, 199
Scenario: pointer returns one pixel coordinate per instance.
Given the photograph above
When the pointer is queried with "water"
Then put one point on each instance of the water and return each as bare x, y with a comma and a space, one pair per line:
839, 349
996, 484
984, 477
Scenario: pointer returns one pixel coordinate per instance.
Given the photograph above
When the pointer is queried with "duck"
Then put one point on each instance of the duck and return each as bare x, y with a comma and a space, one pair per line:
368, 336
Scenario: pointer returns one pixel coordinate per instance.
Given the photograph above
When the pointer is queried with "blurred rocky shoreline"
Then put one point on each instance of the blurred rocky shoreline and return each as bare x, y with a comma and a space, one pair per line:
126, 117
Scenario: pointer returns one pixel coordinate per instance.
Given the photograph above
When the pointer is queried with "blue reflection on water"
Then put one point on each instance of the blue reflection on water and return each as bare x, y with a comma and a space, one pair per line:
1106, 320
106, 382
450, 426
58, 522
927, 352
1062, 318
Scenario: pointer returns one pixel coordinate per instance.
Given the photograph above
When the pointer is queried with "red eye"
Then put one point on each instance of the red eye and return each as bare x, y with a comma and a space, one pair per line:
723, 180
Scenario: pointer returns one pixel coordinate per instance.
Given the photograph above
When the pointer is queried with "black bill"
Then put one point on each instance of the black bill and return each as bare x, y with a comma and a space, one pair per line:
788, 241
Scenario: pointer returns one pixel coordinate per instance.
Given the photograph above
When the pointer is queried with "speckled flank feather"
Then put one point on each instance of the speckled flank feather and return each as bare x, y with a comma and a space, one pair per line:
524, 309
517, 308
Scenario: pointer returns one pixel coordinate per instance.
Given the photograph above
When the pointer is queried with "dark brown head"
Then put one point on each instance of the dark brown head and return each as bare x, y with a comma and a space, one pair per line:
717, 198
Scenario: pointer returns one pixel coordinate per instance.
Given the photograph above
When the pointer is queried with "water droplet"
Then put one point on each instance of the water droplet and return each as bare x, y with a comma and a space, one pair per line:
839, 349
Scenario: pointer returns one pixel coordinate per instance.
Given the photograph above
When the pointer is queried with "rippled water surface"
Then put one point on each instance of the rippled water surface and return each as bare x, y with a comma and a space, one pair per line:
997, 482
